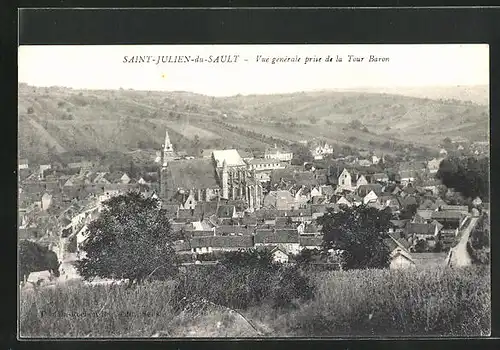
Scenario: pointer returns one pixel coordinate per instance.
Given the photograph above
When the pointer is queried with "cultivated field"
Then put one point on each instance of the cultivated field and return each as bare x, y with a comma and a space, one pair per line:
251, 303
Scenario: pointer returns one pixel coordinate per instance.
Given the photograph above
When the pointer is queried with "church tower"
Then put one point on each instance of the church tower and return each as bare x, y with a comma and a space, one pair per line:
168, 150
166, 156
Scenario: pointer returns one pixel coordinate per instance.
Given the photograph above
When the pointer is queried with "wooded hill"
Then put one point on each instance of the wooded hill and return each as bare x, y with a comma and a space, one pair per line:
58, 120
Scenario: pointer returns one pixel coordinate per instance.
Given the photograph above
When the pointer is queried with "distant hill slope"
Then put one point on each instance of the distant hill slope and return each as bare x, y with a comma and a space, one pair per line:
56, 119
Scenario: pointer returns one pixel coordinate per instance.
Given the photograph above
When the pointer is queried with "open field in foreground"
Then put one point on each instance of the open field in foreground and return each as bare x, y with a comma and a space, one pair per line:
437, 301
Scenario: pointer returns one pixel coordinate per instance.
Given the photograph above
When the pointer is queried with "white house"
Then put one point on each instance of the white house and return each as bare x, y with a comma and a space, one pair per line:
279, 255
399, 256
343, 201
23, 164
264, 164
46, 201
125, 179
443, 152
345, 181
370, 197
433, 165
322, 150
315, 192
375, 159
361, 181
278, 154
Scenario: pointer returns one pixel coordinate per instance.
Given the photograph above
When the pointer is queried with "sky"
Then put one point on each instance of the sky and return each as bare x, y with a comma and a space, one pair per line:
103, 67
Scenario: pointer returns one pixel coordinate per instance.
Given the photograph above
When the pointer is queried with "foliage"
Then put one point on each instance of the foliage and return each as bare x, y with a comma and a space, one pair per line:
301, 154
33, 258
306, 256
252, 257
131, 239
408, 212
469, 176
428, 302
243, 286
359, 232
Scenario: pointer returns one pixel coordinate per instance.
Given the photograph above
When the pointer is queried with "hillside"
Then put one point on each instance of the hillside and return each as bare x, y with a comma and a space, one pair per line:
58, 119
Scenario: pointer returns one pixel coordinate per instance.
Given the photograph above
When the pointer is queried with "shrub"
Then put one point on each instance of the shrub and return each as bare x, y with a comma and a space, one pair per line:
31, 110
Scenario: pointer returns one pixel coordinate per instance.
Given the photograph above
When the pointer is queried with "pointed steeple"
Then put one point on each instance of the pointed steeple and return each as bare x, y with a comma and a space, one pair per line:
168, 150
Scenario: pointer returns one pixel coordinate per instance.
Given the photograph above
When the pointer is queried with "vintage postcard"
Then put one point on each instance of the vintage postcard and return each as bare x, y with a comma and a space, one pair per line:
233, 191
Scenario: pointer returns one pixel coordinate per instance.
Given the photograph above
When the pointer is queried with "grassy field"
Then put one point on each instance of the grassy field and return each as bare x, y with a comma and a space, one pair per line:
248, 304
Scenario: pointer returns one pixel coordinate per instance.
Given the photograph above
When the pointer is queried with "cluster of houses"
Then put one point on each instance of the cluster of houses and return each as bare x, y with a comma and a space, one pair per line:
232, 200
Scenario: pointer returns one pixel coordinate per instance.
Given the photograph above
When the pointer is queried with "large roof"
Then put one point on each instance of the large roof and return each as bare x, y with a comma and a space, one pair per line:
190, 174
230, 156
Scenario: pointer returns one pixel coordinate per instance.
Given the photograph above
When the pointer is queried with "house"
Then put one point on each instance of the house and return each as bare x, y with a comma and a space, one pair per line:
407, 176
310, 242
343, 201
208, 244
422, 231
277, 153
46, 201
288, 239
458, 208
477, 202
397, 226
400, 257
281, 200
361, 181
344, 181
363, 190
190, 202
371, 197
23, 163
279, 255
375, 159
443, 152
322, 150
315, 192
43, 168
449, 219
423, 216
424, 260
364, 162
380, 177
264, 164
433, 165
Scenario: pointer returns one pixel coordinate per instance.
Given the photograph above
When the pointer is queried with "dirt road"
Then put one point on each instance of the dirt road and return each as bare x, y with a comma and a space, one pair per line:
459, 254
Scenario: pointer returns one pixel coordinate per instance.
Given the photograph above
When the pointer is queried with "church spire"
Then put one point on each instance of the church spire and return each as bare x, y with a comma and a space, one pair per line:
168, 150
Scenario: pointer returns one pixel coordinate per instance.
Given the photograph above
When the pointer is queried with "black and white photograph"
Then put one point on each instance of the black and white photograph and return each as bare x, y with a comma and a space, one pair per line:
253, 191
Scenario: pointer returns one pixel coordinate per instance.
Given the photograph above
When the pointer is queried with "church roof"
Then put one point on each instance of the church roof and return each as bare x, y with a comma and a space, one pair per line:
230, 156
190, 174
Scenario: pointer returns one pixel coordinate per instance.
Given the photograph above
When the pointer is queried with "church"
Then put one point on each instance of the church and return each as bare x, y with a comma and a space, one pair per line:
223, 176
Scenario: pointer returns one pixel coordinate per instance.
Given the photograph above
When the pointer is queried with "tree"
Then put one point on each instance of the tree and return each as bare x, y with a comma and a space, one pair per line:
34, 257
358, 232
131, 239
252, 257
469, 176
301, 155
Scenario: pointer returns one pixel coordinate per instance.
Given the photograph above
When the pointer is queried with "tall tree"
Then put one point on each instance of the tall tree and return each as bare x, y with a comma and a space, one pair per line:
469, 176
359, 232
132, 238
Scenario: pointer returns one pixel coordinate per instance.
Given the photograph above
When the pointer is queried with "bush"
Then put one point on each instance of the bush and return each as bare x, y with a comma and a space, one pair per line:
240, 287
31, 110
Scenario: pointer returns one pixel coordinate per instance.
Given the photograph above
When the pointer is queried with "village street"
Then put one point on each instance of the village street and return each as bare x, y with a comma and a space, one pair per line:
459, 254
